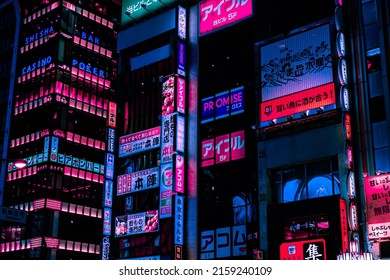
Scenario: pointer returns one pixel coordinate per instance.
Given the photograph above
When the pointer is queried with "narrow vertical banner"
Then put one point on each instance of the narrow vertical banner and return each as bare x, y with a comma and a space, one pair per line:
179, 220
179, 167
111, 119
109, 166
181, 95
179, 143
166, 183
107, 221
107, 195
182, 23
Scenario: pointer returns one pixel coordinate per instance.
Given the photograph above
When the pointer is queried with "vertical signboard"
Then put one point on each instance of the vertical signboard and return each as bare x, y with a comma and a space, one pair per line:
178, 220
166, 190
179, 167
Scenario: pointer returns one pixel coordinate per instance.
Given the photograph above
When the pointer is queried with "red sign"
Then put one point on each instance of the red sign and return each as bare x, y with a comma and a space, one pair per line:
111, 120
227, 147
297, 102
344, 225
207, 152
303, 250
222, 148
215, 14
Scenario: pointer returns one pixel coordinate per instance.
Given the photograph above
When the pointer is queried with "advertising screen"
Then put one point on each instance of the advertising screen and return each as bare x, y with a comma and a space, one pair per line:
215, 14
296, 74
136, 223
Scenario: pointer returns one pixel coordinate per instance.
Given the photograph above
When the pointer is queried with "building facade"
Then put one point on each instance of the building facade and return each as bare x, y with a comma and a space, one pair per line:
222, 130
61, 115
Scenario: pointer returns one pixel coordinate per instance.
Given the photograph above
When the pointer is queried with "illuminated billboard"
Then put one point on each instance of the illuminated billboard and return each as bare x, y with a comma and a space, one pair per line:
223, 148
303, 250
295, 70
223, 104
297, 102
224, 242
135, 10
138, 181
139, 142
136, 223
377, 205
215, 14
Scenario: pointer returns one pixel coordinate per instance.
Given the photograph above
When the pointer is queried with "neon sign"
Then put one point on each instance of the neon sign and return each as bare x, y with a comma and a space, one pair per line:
225, 148
224, 104
88, 68
215, 14
38, 35
40, 63
90, 38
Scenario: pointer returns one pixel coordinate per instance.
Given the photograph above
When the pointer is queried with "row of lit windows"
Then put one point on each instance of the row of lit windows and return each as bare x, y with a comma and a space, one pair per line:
89, 45
51, 242
41, 12
70, 136
88, 14
60, 206
67, 170
36, 43
80, 99
91, 77
35, 73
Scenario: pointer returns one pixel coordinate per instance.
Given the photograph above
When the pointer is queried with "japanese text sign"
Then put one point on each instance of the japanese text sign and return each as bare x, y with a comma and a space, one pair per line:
138, 181
139, 142
215, 14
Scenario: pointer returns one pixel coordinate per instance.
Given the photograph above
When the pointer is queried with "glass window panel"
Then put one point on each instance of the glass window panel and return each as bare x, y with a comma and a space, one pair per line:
382, 159
371, 34
375, 83
380, 135
369, 12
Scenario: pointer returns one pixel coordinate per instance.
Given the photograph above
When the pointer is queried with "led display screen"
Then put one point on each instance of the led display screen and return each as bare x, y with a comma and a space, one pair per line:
296, 63
143, 222
215, 14
296, 74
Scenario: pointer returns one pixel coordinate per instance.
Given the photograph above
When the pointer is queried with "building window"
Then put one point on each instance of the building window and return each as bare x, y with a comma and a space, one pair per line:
308, 227
381, 146
306, 181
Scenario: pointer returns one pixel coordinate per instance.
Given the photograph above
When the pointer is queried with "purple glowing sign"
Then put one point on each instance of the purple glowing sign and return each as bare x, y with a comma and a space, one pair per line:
223, 104
215, 14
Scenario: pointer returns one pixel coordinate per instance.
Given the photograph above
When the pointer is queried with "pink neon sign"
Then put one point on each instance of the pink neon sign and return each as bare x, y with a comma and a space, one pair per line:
215, 14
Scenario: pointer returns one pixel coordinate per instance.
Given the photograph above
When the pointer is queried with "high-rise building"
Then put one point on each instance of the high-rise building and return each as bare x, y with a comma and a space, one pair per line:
61, 115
